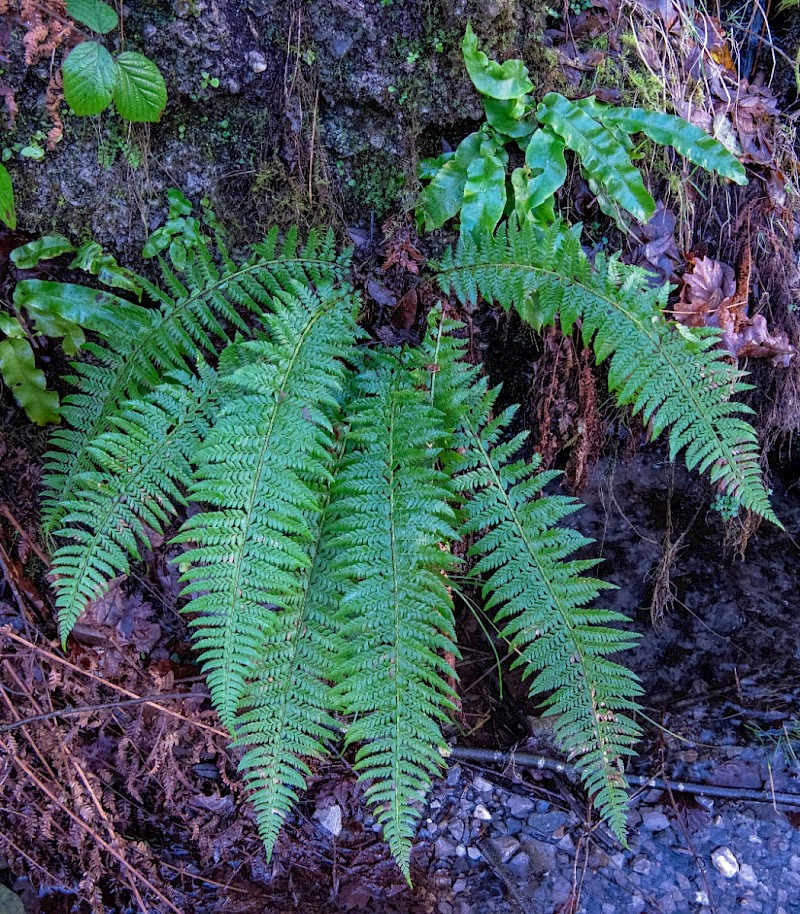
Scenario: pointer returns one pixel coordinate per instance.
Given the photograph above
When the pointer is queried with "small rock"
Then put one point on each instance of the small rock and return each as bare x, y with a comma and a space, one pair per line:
519, 861
547, 823
256, 61
520, 806
482, 813
514, 826
654, 821
542, 856
459, 885
642, 866
445, 907
444, 848
748, 876
453, 774
456, 829
506, 847
330, 819
724, 862
461, 851
794, 863
473, 853
340, 45
701, 898
482, 785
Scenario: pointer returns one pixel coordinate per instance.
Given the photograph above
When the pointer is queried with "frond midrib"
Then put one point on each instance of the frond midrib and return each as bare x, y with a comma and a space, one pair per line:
640, 325
600, 739
318, 314
131, 360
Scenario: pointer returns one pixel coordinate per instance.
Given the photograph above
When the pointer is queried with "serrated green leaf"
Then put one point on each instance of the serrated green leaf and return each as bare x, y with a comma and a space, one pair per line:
689, 141
8, 212
94, 14
140, 94
27, 382
485, 188
497, 80
601, 154
47, 247
89, 77
442, 198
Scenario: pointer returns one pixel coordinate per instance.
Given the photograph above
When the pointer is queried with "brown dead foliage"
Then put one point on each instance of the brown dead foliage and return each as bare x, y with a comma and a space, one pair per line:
711, 297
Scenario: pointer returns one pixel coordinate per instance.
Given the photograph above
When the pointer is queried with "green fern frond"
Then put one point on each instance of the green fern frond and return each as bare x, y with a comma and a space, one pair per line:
285, 710
139, 469
393, 523
262, 473
198, 307
542, 596
673, 376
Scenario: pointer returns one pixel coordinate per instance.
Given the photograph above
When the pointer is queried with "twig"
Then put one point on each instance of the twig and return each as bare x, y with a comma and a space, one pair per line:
28, 539
89, 709
6, 632
93, 834
544, 763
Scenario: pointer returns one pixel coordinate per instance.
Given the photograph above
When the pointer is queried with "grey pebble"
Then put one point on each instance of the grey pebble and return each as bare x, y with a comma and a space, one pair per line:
506, 847
654, 821
520, 806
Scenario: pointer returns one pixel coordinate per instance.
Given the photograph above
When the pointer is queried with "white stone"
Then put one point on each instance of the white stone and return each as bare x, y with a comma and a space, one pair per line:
473, 853
724, 862
482, 785
748, 876
461, 851
482, 813
701, 898
330, 819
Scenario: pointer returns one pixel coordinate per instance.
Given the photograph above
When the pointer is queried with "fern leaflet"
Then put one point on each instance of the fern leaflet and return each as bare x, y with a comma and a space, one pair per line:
541, 596
140, 467
197, 309
674, 377
261, 473
392, 518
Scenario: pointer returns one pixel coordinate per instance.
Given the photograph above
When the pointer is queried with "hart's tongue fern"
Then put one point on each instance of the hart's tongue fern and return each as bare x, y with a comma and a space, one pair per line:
328, 483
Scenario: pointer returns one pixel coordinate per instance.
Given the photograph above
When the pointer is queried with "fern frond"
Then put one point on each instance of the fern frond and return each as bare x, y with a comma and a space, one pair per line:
195, 309
261, 473
392, 523
673, 376
285, 709
542, 596
139, 469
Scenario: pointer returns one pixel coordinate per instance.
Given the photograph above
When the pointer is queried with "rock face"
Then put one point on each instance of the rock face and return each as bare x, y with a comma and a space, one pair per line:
278, 113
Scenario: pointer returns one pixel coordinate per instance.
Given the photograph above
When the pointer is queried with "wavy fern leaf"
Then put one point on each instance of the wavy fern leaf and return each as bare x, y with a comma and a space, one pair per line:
261, 475
140, 468
602, 156
393, 521
673, 376
285, 710
542, 596
197, 308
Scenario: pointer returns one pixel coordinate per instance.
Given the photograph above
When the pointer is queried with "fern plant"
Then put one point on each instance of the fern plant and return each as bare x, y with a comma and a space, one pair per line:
328, 483
471, 183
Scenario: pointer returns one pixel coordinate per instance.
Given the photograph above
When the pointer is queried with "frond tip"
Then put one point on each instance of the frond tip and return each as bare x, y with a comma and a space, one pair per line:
542, 599
392, 520
675, 377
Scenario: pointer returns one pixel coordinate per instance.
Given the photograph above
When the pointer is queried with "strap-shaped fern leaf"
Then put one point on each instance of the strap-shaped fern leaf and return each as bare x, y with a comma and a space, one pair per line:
140, 467
602, 156
262, 473
542, 599
673, 376
198, 306
285, 714
393, 519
